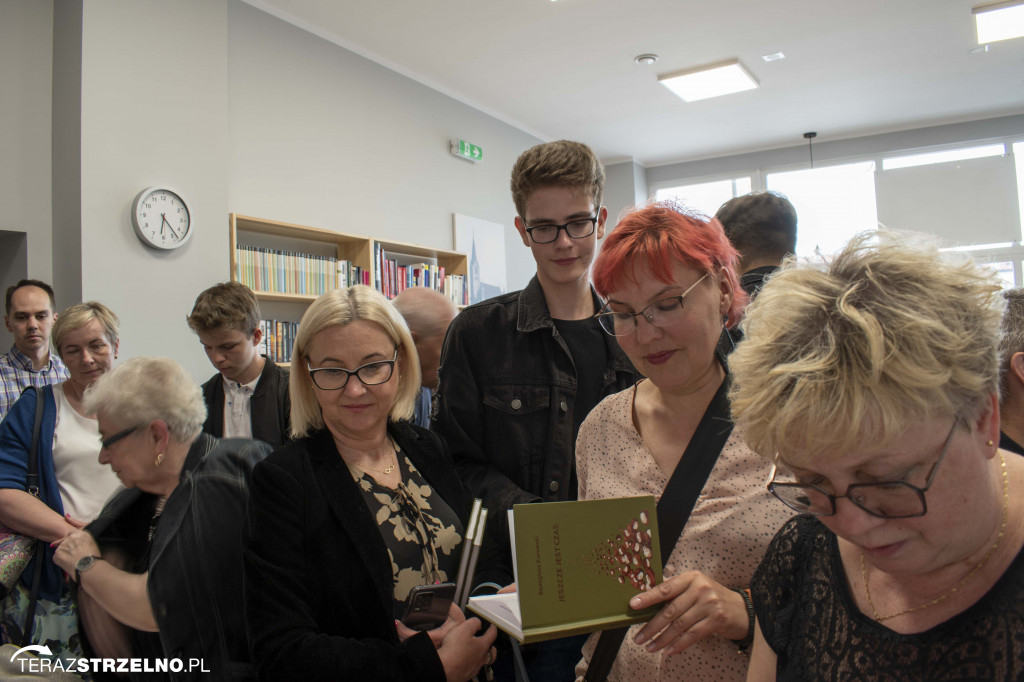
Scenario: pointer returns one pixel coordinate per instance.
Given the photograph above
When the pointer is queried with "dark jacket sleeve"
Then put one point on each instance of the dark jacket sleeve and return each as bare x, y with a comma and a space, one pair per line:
195, 582
293, 624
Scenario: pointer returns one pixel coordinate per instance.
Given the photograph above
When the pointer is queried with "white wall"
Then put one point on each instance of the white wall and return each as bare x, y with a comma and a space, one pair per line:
238, 111
26, 41
321, 136
153, 113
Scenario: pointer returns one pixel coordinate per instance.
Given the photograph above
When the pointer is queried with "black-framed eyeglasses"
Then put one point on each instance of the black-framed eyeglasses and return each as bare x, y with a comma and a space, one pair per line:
336, 378
886, 500
577, 229
663, 313
107, 442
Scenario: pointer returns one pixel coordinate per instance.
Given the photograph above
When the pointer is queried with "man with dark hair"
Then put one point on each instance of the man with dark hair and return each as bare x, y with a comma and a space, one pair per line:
1011, 374
29, 314
520, 372
248, 398
762, 227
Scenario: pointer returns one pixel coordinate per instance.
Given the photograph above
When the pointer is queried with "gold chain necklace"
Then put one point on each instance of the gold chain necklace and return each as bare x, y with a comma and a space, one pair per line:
386, 470
977, 567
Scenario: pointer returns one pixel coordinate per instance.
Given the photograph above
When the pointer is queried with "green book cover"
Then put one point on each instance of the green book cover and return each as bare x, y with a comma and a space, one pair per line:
577, 566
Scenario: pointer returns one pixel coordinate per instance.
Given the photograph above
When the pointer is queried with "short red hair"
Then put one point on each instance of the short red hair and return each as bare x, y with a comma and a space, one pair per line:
659, 235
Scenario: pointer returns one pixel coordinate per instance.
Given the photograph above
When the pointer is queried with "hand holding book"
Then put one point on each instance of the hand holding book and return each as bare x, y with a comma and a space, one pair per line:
702, 607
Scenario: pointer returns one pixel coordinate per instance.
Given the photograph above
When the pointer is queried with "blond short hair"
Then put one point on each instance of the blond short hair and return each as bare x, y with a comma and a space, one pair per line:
141, 390
557, 164
844, 354
342, 307
80, 314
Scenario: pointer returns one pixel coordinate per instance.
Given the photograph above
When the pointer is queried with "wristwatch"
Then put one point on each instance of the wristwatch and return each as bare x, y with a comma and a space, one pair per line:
83, 565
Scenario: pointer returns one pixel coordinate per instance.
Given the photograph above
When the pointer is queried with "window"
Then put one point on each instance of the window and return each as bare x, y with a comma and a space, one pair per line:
832, 204
706, 197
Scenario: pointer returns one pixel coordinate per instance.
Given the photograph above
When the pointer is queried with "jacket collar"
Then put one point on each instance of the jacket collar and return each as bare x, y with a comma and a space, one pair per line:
533, 310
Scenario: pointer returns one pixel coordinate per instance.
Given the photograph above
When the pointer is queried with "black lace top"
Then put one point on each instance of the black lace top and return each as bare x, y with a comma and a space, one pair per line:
811, 622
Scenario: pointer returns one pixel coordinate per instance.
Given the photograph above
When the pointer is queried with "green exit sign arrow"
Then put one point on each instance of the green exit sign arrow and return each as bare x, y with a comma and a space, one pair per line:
466, 150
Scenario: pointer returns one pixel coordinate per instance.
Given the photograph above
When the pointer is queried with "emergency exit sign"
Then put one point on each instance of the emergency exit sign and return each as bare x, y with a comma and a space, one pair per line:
467, 150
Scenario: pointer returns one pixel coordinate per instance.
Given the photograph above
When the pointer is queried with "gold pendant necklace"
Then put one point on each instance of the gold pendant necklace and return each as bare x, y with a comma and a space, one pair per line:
386, 470
977, 567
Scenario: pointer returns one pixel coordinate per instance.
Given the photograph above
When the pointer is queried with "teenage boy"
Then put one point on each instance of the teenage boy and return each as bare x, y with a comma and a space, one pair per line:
29, 315
520, 372
248, 397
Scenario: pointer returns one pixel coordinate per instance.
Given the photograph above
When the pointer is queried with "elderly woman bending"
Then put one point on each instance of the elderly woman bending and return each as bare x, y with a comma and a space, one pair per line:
870, 382
174, 539
72, 485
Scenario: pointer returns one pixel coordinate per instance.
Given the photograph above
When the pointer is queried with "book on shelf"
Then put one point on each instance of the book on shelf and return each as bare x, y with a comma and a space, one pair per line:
278, 339
577, 565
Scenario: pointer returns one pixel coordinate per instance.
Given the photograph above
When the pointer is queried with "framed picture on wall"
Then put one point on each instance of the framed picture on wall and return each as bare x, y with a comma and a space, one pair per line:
483, 242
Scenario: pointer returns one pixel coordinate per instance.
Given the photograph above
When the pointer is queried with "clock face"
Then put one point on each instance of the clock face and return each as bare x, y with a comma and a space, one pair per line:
161, 218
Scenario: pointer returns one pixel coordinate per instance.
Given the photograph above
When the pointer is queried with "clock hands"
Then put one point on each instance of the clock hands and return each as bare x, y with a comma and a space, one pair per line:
163, 217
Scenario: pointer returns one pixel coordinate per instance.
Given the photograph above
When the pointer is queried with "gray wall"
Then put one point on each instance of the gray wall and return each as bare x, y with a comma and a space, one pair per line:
839, 150
239, 112
26, 41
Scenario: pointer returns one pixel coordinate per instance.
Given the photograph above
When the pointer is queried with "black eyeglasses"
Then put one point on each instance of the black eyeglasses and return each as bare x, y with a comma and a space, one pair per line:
577, 229
886, 500
107, 442
663, 313
336, 378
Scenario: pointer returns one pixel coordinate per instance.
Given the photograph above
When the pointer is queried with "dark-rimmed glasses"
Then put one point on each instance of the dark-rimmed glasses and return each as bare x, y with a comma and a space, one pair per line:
886, 500
663, 313
577, 229
336, 378
107, 442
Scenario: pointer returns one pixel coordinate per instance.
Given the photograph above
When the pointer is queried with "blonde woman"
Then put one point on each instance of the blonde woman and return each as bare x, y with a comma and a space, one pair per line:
360, 509
871, 383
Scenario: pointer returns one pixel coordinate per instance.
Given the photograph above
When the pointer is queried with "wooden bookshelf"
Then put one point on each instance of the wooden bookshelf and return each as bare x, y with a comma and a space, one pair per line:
317, 241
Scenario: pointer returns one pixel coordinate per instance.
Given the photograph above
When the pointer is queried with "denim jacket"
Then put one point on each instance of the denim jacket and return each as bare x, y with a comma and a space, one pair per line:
505, 401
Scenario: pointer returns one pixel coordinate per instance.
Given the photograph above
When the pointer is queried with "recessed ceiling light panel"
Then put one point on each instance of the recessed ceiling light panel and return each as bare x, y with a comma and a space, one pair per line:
999, 21
713, 80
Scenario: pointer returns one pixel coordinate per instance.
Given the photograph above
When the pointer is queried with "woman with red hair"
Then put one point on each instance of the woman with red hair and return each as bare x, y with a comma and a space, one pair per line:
672, 294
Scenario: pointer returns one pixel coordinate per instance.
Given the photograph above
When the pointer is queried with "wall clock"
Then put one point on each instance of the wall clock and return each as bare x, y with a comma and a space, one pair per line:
161, 218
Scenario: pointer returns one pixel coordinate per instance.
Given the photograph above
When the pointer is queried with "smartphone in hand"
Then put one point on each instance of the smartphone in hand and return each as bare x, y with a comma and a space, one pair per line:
428, 605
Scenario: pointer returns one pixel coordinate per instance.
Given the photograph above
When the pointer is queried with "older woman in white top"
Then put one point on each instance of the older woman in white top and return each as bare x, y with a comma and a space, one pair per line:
73, 485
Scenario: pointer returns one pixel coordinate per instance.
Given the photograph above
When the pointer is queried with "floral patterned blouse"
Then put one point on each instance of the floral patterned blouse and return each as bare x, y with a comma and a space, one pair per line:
422, 533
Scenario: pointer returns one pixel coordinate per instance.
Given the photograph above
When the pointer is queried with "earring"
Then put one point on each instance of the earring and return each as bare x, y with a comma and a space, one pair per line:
159, 459
990, 443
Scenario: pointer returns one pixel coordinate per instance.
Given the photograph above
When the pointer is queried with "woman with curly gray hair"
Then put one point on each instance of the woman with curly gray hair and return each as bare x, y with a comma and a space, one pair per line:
164, 558
871, 382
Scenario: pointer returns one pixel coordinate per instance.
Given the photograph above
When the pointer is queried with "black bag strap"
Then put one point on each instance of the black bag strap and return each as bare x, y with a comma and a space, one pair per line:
675, 506
32, 486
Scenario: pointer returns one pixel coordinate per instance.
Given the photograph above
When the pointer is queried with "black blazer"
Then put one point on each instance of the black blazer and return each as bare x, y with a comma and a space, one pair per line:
271, 406
318, 580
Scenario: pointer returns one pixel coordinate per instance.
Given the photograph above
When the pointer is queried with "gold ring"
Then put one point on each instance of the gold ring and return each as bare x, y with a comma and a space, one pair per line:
490, 656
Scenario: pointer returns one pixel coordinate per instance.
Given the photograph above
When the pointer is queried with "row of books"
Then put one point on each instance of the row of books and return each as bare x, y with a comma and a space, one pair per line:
290, 272
278, 339
391, 279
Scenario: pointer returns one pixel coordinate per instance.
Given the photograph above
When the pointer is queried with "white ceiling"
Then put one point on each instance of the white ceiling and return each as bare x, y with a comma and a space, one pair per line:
564, 68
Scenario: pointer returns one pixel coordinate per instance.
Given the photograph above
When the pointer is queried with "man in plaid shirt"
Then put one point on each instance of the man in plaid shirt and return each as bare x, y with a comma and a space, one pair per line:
29, 317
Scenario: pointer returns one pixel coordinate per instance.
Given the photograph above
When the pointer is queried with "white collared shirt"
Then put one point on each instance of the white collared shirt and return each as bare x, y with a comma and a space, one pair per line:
238, 408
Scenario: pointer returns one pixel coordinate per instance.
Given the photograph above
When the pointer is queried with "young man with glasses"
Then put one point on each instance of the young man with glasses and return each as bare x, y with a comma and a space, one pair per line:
520, 372
248, 397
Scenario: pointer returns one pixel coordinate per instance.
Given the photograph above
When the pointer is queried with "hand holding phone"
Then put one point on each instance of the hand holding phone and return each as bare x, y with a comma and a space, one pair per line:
427, 606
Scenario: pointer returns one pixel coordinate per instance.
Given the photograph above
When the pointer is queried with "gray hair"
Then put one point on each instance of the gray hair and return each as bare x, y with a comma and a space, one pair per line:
1012, 340
141, 390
